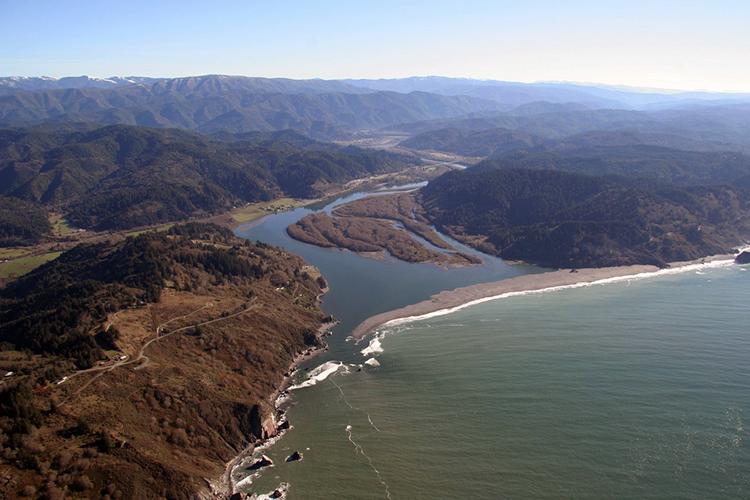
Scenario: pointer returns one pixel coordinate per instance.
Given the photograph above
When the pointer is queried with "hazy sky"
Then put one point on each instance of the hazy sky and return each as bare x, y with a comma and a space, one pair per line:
668, 44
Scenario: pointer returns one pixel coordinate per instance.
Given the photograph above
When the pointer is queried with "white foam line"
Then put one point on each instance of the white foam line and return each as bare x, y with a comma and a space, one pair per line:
372, 423
583, 284
342, 397
354, 408
359, 449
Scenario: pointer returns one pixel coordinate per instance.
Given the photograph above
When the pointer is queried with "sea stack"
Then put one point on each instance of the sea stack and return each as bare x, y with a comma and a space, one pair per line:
263, 461
743, 258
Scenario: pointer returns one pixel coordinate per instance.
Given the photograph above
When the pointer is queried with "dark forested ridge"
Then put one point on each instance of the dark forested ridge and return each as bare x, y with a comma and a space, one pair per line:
661, 164
562, 219
21, 223
121, 176
472, 142
474, 139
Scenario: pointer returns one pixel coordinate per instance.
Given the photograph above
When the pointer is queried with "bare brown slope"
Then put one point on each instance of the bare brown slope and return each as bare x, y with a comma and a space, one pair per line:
185, 388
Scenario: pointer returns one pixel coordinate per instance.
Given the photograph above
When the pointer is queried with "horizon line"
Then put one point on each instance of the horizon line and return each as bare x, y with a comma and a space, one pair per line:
608, 86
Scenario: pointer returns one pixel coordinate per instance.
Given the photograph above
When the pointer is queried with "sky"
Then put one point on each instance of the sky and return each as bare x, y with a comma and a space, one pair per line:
660, 44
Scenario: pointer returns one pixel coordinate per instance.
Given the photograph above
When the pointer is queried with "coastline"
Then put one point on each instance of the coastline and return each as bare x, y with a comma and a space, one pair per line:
224, 486
449, 301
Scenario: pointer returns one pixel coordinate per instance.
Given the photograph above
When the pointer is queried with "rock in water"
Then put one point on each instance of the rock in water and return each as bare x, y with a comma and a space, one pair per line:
263, 461
743, 258
294, 457
372, 362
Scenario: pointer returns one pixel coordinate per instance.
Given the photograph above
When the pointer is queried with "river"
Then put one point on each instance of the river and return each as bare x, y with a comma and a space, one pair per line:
631, 390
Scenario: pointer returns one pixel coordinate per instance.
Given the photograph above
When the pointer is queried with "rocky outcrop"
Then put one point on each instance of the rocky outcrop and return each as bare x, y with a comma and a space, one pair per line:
372, 362
294, 457
263, 461
262, 423
743, 258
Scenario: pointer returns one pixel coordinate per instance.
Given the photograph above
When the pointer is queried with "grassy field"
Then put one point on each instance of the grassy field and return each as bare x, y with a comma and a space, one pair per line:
60, 226
257, 210
163, 227
23, 265
12, 253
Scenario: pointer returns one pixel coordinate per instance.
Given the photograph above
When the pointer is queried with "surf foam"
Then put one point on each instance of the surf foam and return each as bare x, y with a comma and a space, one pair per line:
319, 374
583, 284
374, 347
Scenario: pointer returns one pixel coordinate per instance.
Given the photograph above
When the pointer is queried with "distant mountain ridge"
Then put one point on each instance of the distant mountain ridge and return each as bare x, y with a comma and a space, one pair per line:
514, 94
10, 84
320, 108
207, 82
703, 129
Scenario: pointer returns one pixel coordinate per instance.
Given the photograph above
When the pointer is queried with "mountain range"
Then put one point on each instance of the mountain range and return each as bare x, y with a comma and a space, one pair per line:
330, 109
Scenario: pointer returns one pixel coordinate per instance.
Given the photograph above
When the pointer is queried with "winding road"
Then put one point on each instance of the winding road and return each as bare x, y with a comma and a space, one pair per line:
141, 352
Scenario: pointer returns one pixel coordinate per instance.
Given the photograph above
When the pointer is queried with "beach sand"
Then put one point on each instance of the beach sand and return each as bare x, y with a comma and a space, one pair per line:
451, 300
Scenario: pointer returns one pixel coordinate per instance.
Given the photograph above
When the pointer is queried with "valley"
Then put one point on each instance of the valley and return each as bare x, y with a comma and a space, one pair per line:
175, 251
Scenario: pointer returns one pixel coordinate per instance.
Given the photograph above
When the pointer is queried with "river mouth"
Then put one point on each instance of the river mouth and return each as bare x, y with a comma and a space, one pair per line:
361, 287
628, 390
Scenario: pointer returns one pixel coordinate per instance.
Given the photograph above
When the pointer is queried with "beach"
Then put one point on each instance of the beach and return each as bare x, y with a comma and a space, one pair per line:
453, 300
344, 391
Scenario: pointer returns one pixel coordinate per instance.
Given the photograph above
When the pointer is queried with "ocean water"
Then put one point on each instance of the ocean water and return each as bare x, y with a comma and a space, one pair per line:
638, 389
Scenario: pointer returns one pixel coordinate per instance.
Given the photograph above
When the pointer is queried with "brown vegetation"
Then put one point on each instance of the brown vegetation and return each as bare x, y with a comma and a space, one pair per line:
185, 390
377, 224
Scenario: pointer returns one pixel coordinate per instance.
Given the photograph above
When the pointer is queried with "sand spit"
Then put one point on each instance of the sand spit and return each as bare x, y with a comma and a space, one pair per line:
451, 300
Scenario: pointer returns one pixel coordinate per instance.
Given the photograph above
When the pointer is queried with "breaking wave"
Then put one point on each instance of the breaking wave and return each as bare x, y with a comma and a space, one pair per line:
320, 373
374, 347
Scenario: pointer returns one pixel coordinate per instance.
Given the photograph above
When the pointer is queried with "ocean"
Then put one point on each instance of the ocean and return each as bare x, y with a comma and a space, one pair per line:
633, 389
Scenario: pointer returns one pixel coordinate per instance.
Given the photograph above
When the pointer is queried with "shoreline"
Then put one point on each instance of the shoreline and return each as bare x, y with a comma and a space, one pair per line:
449, 301
225, 486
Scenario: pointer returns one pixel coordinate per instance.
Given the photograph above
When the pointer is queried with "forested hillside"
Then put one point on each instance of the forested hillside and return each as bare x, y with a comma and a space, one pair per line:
562, 219
21, 223
121, 176
660, 164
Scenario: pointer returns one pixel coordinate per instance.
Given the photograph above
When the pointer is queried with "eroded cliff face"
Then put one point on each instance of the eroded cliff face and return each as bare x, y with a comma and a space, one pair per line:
263, 423
188, 386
